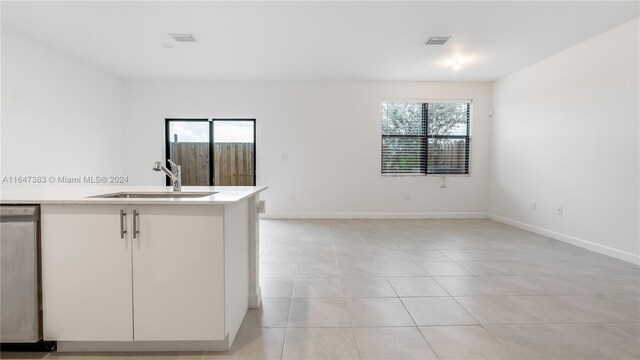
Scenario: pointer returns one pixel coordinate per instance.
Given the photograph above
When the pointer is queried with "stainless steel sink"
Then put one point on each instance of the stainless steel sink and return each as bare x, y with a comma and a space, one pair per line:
154, 195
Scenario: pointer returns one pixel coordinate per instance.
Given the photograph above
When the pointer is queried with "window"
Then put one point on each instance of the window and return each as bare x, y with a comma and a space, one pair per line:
426, 137
218, 152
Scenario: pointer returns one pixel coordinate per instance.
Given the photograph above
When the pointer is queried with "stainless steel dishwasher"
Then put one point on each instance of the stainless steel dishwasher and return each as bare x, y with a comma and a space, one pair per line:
20, 306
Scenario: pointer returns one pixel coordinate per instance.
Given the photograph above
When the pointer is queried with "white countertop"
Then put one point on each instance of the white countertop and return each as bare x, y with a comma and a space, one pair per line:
78, 194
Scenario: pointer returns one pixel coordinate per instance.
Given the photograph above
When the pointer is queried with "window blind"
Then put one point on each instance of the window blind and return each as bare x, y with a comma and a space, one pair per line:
426, 137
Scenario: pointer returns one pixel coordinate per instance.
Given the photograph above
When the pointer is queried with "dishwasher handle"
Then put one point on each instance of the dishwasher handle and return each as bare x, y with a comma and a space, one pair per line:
19, 213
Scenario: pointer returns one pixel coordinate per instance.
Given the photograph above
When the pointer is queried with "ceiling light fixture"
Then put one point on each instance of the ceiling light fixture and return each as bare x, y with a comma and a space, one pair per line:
167, 45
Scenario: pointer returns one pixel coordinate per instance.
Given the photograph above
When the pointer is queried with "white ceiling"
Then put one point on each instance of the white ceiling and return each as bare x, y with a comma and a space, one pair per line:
314, 40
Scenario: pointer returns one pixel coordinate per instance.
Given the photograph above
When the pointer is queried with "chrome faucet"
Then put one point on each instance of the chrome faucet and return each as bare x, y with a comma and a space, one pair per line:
175, 174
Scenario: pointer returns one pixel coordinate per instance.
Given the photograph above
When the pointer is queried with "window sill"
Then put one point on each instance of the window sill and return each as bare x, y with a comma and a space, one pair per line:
426, 175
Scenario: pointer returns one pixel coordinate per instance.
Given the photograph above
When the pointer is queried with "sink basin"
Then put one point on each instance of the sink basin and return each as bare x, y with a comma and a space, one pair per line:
154, 195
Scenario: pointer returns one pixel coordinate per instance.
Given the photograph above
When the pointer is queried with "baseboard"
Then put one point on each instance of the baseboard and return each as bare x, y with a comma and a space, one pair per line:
255, 299
450, 215
143, 346
605, 250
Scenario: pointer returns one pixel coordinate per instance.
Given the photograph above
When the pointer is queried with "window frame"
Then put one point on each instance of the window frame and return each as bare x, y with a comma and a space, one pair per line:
167, 143
211, 121
424, 169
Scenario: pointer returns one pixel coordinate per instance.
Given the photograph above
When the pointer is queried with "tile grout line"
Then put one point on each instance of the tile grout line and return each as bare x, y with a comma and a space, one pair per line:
478, 323
353, 332
414, 321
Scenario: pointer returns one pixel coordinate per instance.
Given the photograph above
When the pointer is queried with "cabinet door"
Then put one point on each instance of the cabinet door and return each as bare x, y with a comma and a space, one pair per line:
178, 273
86, 273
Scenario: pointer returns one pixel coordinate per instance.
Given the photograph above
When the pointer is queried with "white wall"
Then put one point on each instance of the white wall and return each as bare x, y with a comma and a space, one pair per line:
60, 117
330, 132
566, 132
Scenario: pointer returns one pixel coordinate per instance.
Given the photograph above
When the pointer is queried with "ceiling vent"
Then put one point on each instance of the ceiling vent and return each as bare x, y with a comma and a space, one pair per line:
437, 40
183, 37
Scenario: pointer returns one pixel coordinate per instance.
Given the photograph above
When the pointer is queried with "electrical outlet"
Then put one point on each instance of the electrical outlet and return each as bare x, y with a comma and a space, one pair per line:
407, 198
559, 209
285, 158
262, 207
534, 205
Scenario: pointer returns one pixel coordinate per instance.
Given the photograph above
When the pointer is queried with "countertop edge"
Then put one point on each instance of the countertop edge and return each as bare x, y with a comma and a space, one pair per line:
131, 201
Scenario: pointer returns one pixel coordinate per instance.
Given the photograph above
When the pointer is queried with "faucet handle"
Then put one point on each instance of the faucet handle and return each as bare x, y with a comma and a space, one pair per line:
172, 164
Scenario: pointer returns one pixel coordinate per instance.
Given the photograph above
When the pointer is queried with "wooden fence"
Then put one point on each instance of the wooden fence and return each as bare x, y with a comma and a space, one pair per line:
447, 156
233, 163
194, 160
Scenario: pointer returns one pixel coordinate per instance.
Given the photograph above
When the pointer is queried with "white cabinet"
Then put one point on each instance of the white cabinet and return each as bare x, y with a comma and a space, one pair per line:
86, 273
178, 273
163, 279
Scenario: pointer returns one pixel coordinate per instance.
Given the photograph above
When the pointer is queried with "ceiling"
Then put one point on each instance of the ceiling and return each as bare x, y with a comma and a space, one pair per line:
314, 40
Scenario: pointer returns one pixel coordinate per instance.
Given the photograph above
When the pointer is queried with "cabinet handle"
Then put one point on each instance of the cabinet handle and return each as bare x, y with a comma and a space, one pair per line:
123, 226
135, 223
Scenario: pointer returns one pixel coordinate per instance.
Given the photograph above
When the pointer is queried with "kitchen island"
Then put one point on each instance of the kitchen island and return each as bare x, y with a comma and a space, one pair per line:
143, 269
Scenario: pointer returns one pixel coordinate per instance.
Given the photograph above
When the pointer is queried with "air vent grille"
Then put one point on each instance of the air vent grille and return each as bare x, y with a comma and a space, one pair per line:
183, 37
437, 40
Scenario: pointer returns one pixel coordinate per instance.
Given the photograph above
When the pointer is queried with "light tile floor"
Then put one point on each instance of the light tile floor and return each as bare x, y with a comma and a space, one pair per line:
429, 289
